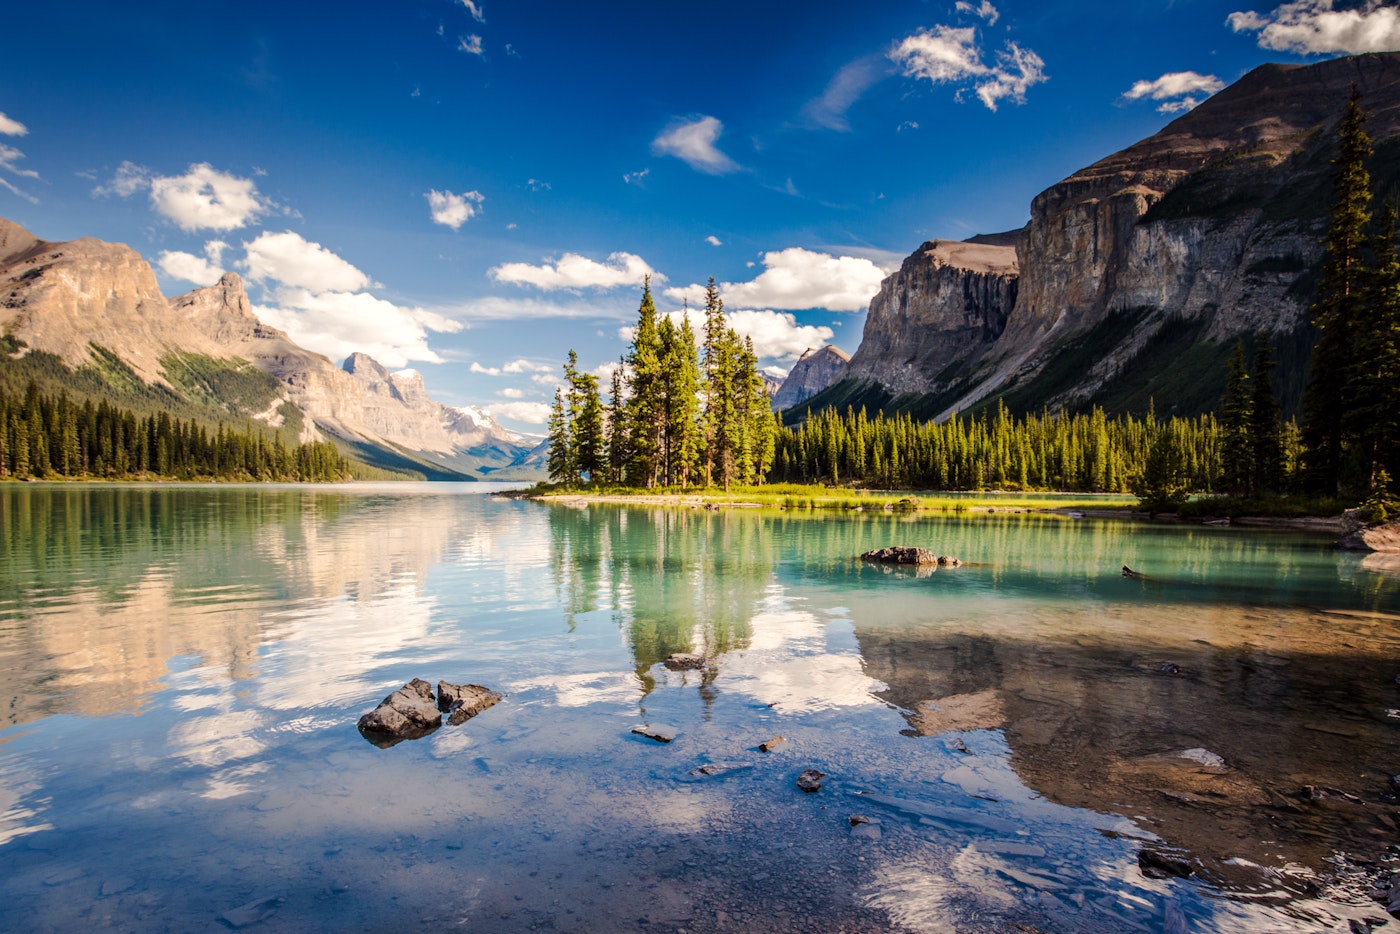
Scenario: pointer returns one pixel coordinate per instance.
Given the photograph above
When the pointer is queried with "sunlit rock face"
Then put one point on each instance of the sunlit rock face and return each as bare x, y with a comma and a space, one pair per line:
815, 370
64, 297
1214, 220
947, 304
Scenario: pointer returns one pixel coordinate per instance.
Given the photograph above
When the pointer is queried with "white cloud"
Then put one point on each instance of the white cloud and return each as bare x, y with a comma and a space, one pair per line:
949, 55
469, 44
17, 192
9, 126
9, 162
693, 142
846, 87
796, 279
126, 181
986, 11
338, 324
712, 240
511, 393
477, 11
201, 270
484, 370
572, 271
1178, 90
451, 210
535, 184
1313, 27
202, 199
529, 413
293, 261
526, 366
635, 178
503, 308
907, 125
774, 334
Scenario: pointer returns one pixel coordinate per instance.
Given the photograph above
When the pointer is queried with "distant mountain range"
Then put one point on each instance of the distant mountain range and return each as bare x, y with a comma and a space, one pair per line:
1136, 275
87, 316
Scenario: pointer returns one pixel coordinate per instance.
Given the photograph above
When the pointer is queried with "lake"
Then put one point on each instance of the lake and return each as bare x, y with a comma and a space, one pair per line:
1030, 739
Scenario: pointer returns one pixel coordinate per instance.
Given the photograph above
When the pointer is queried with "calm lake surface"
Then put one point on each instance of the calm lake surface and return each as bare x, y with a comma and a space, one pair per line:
182, 668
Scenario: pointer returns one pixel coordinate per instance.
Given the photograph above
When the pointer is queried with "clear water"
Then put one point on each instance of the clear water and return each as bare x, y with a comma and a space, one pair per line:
182, 668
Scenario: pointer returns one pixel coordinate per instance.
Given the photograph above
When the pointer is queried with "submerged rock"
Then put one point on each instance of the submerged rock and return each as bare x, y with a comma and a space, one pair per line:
461, 702
254, 912
810, 780
659, 733
684, 661
408, 713
1157, 864
714, 770
772, 744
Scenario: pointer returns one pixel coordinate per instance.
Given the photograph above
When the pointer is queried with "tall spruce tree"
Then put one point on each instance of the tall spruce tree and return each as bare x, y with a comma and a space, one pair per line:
646, 405
1372, 420
1339, 304
1236, 448
618, 447
681, 366
1266, 442
587, 438
560, 460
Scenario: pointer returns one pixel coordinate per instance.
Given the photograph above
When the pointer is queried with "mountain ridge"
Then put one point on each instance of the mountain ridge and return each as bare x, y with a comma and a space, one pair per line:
92, 304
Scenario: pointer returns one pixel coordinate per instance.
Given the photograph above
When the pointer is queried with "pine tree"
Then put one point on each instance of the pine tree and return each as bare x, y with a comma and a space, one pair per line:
618, 450
1236, 466
1266, 442
1337, 308
585, 415
560, 460
1372, 420
646, 411
680, 363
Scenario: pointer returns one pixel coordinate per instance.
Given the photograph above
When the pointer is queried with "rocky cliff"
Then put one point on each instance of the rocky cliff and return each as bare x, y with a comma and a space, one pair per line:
97, 306
947, 304
1139, 272
815, 370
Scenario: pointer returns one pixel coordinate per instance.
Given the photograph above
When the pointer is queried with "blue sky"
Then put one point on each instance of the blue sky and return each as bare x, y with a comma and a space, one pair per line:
470, 189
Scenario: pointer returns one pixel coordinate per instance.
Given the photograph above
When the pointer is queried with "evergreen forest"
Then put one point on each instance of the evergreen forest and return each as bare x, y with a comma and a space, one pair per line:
44, 436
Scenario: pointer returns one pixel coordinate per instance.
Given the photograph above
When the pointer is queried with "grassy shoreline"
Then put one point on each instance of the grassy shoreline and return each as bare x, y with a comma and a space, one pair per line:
787, 497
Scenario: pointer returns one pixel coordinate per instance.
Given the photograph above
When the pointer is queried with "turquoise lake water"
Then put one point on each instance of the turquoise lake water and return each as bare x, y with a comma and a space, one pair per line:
182, 668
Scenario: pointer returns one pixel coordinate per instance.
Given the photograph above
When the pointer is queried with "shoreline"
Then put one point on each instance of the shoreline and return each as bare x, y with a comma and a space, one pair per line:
1328, 524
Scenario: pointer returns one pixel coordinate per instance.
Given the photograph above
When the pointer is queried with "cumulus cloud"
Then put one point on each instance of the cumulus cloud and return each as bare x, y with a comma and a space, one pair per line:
484, 370
777, 334
511, 393
469, 44
204, 198
1178, 90
338, 324
9, 126
693, 142
951, 55
526, 366
452, 210
201, 270
477, 11
796, 279
1314, 27
293, 261
572, 271
504, 308
635, 178
846, 87
529, 413
712, 240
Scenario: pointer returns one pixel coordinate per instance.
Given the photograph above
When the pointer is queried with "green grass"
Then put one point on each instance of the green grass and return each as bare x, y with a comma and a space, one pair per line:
796, 496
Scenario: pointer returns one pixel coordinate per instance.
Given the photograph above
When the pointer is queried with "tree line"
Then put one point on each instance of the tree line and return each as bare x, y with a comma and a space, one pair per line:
677, 415
46, 436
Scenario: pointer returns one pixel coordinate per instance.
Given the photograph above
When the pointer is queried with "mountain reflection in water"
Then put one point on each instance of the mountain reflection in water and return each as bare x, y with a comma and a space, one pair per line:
183, 667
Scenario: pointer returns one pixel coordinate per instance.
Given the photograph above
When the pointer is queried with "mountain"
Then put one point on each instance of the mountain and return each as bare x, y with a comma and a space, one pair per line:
1136, 275
89, 316
815, 370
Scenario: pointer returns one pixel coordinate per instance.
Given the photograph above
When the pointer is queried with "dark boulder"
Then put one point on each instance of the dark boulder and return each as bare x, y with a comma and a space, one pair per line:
408, 713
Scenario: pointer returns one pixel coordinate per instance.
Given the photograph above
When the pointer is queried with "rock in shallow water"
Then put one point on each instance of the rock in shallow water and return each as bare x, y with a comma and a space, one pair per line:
810, 780
409, 712
661, 734
461, 702
684, 661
